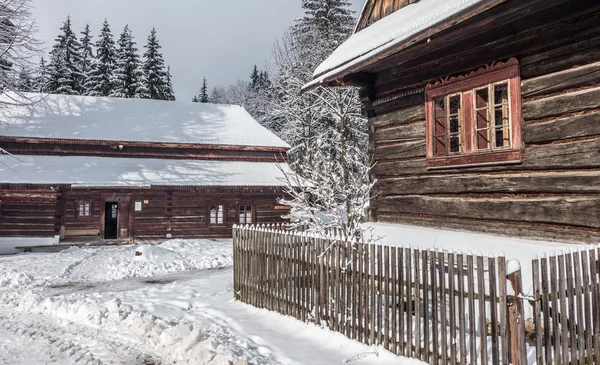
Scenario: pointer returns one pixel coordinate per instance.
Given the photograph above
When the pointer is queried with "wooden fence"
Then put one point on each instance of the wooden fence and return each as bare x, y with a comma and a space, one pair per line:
440, 307
566, 308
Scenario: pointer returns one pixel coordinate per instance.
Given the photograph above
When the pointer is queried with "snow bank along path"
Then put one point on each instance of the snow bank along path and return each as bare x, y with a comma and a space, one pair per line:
171, 304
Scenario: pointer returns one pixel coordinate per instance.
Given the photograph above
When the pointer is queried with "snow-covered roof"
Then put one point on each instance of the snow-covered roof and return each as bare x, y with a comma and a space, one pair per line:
388, 32
106, 171
136, 120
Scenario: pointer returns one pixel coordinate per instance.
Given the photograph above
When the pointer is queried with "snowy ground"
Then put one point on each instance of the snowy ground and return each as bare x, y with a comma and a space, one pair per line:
171, 305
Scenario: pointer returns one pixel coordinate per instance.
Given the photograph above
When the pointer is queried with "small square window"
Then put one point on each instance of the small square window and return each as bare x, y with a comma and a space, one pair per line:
216, 214
245, 214
83, 209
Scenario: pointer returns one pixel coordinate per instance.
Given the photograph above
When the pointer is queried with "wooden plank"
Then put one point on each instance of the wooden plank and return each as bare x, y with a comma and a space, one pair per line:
572, 314
405, 132
585, 297
503, 304
461, 308
580, 125
399, 117
518, 351
580, 308
471, 305
435, 291
564, 210
386, 298
517, 182
482, 312
417, 293
586, 75
561, 104
494, 310
441, 265
399, 306
553, 262
564, 318
360, 292
380, 295
452, 309
546, 324
595, 259
396, 323
400, 150
409, 294
354, 294
373, 295
425, 303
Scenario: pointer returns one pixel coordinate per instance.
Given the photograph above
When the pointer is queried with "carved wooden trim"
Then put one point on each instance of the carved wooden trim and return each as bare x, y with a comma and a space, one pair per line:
465, 84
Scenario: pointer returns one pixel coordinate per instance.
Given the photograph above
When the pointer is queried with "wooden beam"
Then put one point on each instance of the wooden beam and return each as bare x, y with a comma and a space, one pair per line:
360, 79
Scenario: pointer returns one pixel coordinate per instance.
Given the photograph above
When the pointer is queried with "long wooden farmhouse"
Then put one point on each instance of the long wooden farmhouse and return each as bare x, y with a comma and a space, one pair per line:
126, 169
484, 114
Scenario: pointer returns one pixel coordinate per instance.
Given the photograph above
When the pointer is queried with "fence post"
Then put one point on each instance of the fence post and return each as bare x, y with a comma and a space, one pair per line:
516, 316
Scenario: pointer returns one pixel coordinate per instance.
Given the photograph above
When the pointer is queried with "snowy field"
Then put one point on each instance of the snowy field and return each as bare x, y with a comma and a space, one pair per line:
170, 305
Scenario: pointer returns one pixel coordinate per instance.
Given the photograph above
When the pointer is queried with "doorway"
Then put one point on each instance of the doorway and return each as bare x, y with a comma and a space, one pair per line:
111, 220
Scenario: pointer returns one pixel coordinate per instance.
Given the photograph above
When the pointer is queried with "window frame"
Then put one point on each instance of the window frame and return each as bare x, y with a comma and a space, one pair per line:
78, 204
252, 213
224, 223
467, 87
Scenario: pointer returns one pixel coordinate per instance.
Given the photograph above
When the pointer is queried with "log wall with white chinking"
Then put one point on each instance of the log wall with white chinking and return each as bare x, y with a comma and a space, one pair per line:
555, 192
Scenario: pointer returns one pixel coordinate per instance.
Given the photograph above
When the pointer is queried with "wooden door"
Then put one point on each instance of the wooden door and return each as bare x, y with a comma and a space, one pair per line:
124, 227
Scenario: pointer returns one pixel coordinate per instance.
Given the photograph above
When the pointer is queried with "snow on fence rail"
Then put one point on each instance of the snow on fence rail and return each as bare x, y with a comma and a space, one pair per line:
440, 307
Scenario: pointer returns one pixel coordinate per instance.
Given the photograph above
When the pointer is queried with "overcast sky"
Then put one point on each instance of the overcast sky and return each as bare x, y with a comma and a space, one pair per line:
219, 39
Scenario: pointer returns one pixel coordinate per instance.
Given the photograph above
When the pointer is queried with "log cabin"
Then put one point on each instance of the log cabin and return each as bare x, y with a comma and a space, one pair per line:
86, 168
484, 115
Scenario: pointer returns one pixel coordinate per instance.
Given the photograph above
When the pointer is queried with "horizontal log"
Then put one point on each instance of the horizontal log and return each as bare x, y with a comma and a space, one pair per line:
399, 117
403, 167
82, 232
572, 155
405, 132
562, 128
586, 75
562, 104
561, 58
571, 210
555, 182
400, 150
546, 232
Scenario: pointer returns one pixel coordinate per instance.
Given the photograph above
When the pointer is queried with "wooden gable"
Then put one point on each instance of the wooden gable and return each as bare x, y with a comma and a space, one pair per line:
375, 10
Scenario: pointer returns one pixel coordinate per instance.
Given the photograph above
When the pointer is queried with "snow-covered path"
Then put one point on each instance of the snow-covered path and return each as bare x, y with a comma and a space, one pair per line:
34, 339
106, 306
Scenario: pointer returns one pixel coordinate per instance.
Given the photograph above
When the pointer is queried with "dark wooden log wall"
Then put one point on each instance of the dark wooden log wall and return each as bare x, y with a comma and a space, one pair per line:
555, 192
169, 212
29, 212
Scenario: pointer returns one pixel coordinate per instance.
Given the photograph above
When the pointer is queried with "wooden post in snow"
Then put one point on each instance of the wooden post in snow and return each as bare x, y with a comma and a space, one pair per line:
516, 316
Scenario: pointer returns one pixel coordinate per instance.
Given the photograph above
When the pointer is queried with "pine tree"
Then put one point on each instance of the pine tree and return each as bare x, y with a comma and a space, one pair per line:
156, 77
41, 78
86, 56
254, 79
65, 62
26, 83
169, 92
195, 99
101, 78
128, 80
203, 97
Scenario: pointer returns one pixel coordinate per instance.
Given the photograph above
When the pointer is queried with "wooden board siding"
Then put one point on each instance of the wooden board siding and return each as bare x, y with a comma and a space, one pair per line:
25, 212
70, 147
167, 212
375, 10
555, 192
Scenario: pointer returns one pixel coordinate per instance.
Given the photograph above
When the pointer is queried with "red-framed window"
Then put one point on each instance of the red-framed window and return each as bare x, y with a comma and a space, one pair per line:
216, 215
475, 119
246, 215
